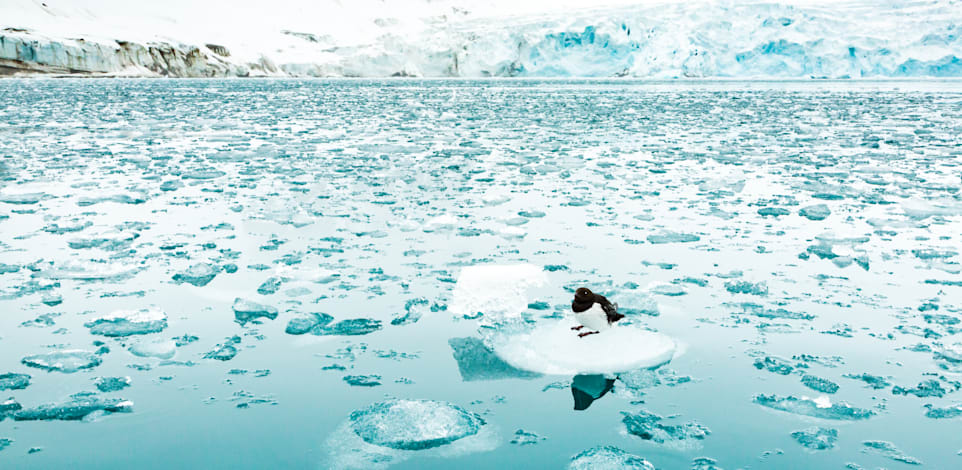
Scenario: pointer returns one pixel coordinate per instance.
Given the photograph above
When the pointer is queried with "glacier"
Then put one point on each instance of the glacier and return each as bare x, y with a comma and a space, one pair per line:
472, 38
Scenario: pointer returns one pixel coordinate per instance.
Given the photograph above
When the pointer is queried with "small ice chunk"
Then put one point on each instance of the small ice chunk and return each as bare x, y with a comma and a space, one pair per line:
816, 438
874, 381
745, 287
414, 424
159, 348
129, 322
224, 351
78, 407
953, 411
552, 348
14, 381
649, 427
819, 384
246, 311
441, 223
112, 384
927, 388
66, 360
672, 237
815, 212
818, 408
498, 292
524, 438
307, 323
363, 380
5, 442
350, 327
608, 458
887, 449
199, 274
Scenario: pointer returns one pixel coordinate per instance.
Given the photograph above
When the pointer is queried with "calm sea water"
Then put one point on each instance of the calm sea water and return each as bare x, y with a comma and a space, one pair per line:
790, 237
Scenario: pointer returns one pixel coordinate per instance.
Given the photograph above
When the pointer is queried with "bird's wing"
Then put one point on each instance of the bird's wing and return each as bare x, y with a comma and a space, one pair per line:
611, 310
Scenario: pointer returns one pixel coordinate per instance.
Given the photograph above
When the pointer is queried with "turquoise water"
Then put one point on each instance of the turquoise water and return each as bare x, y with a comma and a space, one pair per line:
785, 235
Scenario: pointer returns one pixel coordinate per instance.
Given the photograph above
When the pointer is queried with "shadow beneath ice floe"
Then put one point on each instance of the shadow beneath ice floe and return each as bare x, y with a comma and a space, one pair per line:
585, 389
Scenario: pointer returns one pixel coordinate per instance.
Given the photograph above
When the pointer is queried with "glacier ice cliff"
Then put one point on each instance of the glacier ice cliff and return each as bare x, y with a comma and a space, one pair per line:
651, 39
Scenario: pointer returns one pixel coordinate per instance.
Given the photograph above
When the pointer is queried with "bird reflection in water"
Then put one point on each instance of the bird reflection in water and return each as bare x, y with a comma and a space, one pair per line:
587, 388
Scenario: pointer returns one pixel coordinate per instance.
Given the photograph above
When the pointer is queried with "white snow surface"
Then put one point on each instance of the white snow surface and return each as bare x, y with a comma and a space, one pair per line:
498, 292
478, 38
552, 348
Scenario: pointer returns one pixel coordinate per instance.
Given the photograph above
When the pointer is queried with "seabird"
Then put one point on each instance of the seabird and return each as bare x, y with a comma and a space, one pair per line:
593, 311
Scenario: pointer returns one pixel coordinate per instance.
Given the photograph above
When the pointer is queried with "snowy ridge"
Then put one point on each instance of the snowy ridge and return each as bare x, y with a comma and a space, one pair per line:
653, 39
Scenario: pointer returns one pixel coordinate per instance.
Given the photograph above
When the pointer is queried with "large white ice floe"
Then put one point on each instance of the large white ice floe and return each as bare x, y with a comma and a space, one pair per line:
496, 292
553, 348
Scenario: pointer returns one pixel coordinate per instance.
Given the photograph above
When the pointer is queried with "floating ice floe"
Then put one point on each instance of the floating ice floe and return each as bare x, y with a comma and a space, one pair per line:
308, 323
67, 361
159, 348
89, 271
887, 449
649, 427
608, 458
112, 384
80, 406
246, 311
390, 431
414, 424
129, 322
821, 407
816, 438
199, 274
14, 381
350, 327
496, 292
553, 348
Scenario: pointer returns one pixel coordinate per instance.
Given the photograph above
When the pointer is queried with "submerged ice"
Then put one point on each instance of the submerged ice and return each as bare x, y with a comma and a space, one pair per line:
414, 424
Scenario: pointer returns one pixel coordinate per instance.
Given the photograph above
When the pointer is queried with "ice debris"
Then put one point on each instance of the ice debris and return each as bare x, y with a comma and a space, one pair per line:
887, 449
224, 351
246, 311
350, 327
14, 381
199, 274
414, 424
816, 438
159, 348
129, 322
112, 384
649, 427
310, 322
80, 406
65, 360
819, 384
815, 212
524, 438
817, 408
608, 458
363, 380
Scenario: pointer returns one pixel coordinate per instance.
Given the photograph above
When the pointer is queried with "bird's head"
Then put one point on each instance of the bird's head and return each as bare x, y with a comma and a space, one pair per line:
583, 295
